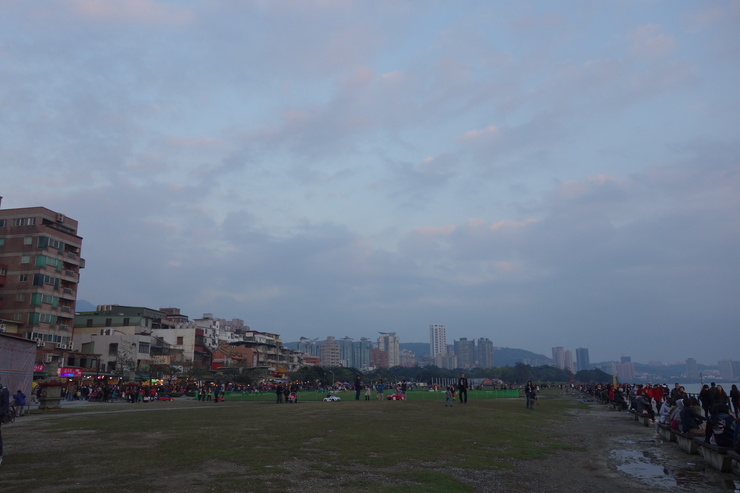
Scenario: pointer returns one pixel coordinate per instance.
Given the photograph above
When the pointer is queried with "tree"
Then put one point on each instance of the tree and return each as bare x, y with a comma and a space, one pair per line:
125, 361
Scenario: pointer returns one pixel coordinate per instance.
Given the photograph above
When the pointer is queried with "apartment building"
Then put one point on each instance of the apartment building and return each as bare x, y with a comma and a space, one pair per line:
39, 273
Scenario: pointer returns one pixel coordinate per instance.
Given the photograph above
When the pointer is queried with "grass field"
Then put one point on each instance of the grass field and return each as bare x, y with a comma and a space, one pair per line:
186, 445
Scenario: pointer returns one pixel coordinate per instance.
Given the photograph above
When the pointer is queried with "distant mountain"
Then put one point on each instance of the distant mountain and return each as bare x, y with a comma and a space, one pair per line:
502, 356
505, 356
85, 306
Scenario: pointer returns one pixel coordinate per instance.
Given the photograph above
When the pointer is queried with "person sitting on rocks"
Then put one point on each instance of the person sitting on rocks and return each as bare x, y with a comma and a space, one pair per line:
619, 401
692, 421
721, 426
665, 411
643, 406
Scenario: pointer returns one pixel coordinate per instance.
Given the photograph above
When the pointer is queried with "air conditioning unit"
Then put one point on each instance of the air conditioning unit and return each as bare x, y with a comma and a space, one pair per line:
48, 358
40, 344
71, 346
60, 218
64, 346
61, 346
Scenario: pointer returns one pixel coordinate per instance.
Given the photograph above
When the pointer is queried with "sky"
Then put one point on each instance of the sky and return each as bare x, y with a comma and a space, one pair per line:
542, 174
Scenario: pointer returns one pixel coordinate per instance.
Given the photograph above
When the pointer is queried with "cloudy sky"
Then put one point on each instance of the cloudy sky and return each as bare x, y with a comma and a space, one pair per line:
542, 174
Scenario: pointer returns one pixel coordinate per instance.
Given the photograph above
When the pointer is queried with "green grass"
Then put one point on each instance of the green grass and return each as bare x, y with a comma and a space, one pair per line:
261, 446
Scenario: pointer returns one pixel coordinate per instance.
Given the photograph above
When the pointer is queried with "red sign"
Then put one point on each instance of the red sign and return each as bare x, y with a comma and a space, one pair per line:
70, 372
39, 368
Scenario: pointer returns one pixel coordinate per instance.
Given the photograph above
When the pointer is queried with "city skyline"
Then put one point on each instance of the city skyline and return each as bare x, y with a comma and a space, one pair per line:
546, 174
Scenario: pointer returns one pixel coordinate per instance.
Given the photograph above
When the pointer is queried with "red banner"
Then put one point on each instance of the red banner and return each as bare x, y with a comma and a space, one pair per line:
70, 372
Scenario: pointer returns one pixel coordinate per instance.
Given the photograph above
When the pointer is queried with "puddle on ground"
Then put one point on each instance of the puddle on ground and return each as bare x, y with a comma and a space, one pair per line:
653, 469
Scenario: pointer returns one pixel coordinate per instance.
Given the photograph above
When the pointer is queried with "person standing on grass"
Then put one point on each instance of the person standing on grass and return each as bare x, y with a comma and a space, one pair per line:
358, 387
448, 396
379, 389
4, 408
530, 394
462, 388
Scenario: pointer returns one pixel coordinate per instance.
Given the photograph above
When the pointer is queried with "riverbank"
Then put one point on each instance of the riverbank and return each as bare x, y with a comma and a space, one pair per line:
620, 455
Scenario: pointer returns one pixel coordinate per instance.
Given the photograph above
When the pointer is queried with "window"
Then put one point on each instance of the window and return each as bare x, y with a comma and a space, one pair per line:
17, 317
55, 244
47, 298
126, 321
20, 297
179, 340
27, 240
24, 221
88, 323
33, 319
23, 278
25, 259
108, 322
47, 319
2, 223
113, 348
2, 241
144, 347
40, 280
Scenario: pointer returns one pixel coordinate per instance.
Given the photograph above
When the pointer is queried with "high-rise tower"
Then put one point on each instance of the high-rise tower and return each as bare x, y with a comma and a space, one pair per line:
437, 340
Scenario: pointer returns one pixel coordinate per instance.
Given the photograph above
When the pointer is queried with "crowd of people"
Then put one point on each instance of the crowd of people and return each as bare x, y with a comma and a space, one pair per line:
712, 413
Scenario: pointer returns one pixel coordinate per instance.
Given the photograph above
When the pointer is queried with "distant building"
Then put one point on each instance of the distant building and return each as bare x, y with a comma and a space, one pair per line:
408, 358
308, 346
329, 352
388, 342
568, 360
437, 339
346, 352
558, 357
625, 371
692, 370
361, 353
378, 358
485, 353
725, 369
465, 352
446, 361
40, 267
582, 359
122, 336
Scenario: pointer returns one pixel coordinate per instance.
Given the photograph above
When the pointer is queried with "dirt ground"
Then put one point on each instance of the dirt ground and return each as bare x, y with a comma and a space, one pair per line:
623, 455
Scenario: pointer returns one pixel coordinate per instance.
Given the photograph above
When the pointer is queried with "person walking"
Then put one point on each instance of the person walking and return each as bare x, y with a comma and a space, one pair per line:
448, 396
4, 408
19, 402
462, 388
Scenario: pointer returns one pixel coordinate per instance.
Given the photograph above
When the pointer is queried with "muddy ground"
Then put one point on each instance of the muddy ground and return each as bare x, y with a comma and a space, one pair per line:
623, 455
